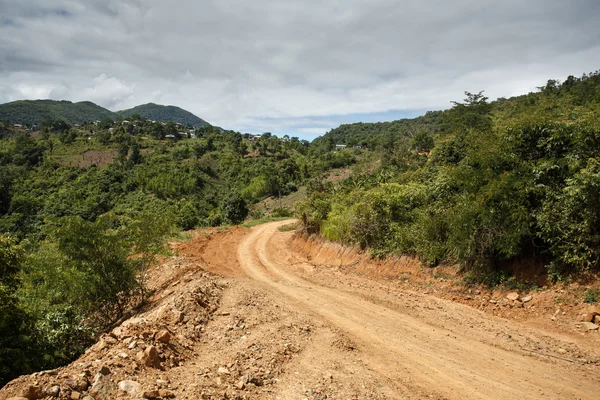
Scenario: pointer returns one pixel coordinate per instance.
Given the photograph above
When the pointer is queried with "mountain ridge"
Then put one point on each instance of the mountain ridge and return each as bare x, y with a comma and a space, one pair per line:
31, 112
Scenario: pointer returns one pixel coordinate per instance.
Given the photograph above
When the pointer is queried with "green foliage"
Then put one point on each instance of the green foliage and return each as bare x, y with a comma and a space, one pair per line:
35, 111
15, 345
235, 209
591, 296
511, 179
157, 112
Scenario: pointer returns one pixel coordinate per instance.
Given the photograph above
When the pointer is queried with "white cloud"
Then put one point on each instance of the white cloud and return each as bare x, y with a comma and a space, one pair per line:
235, 63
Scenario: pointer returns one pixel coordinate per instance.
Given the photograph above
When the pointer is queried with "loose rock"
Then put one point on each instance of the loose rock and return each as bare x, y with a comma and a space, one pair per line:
163, 336
53, 391
130, 387
102, 387
150, 357
513, 296
223, 371
591, 326
526, 299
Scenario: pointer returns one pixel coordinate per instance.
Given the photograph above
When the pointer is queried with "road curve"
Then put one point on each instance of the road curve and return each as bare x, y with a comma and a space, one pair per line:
417, 358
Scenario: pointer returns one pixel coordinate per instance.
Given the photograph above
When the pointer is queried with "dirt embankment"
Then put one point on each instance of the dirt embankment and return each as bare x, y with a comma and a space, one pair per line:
261, 314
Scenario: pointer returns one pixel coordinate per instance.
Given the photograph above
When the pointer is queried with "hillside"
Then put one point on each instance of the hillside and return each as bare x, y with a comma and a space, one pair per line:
34, 111
569, 100
156, 112
490, 186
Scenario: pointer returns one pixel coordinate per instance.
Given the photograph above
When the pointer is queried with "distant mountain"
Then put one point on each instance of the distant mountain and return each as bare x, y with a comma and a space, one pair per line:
156, 112
34, 111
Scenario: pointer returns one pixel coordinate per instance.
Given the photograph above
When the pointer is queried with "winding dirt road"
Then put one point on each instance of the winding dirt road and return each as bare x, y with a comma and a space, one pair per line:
422, 347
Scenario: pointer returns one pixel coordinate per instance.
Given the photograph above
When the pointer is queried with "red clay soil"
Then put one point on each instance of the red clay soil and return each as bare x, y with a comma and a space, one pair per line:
261, 314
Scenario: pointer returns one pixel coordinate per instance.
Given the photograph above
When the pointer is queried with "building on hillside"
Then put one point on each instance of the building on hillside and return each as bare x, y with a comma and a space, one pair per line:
340, 146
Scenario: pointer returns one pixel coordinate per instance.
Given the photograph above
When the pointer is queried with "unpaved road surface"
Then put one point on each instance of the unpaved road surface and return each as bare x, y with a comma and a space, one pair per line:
249, 317
450, 351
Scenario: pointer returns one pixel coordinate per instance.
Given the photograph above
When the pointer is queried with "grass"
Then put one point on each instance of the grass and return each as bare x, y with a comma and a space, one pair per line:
591, 296
182, 237
288, 227
261, 221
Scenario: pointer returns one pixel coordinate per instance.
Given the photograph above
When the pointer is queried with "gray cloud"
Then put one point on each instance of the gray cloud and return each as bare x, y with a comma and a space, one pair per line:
235, 63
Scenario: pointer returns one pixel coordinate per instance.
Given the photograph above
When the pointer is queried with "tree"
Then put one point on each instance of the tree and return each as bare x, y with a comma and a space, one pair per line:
235, 209
14, 322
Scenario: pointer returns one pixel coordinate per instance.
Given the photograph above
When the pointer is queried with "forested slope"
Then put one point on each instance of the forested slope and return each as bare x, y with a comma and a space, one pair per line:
481, 184
156, 112
31, 112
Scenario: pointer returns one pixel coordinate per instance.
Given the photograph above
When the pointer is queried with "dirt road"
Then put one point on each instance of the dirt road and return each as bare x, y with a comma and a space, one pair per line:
242, 314
449, 351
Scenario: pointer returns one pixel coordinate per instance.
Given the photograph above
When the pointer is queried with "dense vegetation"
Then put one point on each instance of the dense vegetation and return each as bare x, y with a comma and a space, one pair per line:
155, 112
84, 211
33, 112
481, 184
30, 112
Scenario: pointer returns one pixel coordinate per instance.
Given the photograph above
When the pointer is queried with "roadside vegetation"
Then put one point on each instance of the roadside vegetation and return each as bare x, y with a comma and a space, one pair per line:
79, 232
86, 209
482, 184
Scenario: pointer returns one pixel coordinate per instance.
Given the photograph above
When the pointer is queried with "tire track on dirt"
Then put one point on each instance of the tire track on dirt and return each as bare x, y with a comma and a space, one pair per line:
417, 359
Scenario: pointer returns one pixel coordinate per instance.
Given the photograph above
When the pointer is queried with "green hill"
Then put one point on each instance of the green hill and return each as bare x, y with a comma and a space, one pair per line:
157, 112
34, 111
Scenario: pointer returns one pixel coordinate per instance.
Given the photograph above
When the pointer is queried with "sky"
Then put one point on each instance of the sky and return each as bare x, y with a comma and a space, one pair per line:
297, 67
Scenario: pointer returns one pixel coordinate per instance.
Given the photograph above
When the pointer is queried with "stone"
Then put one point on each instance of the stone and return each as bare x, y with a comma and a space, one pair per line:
132, 345
88, 398
164, 393
151, 394
591, 326
163, 336
75, 395
117, 332
102, 387
597, 319
241, 384
53, 391
33, 392
17, 398
223, 371
513, 296
104, 370
130, 387
123, 355
255, 380
590, 317
176, 316
526, 299
149, 357
110, 340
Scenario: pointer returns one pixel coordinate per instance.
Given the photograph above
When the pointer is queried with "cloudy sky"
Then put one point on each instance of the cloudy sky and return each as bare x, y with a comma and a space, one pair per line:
299, 67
